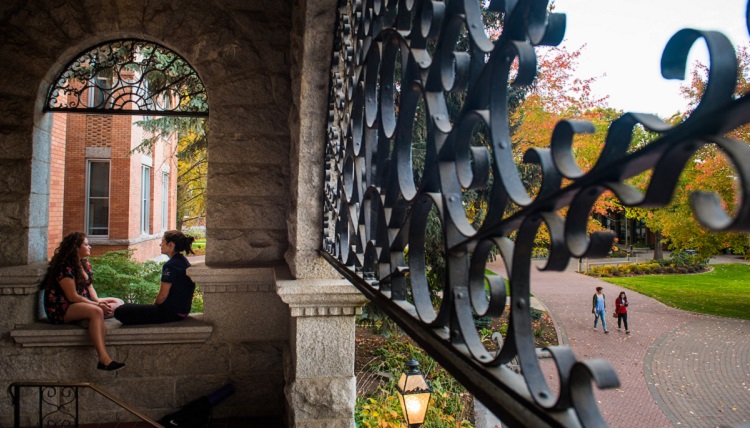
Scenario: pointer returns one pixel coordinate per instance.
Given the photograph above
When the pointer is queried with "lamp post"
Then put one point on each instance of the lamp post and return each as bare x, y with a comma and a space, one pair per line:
414, 394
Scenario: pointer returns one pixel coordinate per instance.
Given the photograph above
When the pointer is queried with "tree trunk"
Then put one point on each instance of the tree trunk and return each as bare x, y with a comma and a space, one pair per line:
658, 253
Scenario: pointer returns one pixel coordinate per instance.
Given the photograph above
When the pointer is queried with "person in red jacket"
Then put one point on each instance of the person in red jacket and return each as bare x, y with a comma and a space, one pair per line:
621, 309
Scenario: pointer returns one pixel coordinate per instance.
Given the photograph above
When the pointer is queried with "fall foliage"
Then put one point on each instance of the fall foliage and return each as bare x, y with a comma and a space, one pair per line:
708, 170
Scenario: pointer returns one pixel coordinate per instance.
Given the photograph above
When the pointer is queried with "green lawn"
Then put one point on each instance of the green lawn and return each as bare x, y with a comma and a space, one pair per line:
724, 292
199, 247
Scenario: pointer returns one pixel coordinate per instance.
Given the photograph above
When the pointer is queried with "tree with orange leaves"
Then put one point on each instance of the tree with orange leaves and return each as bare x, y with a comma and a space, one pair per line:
708, 170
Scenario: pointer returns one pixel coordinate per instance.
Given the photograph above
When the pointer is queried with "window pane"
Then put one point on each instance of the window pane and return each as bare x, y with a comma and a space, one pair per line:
99, 180
164, 201
98, 199
98, 216
145, 199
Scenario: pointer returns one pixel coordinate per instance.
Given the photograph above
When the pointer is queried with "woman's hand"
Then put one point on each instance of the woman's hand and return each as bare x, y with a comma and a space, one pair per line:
106, 308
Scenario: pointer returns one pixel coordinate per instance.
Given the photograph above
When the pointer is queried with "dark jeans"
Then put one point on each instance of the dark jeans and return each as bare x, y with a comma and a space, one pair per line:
620, 319
131, 313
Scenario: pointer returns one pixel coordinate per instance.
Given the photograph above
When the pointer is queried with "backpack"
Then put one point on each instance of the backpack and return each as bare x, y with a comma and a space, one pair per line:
194, 414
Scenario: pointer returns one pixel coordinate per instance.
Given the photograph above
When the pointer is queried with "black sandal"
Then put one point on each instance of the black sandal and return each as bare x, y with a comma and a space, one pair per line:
111, 367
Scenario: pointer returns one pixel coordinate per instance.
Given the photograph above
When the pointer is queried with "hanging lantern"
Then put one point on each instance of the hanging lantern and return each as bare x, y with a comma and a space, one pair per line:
414, 394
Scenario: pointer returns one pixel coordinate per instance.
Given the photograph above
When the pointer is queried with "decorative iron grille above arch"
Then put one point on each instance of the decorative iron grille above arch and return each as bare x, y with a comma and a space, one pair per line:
392, 58
133, 77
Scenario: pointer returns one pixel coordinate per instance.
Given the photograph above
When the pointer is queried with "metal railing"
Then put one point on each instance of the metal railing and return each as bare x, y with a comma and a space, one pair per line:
58, 403
399, 62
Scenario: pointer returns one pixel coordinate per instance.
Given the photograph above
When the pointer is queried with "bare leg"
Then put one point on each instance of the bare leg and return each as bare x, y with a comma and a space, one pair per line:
97, 328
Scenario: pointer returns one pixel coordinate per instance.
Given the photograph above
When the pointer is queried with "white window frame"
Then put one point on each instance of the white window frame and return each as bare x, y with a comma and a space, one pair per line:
87, 217
145, 199
164, 201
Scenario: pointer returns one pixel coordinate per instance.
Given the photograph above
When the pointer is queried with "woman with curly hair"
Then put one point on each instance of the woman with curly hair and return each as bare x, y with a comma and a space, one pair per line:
69, 294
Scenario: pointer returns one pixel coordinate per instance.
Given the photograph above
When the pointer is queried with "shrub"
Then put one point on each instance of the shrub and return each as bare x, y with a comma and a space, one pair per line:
607, 271
117, 274
197, 232
536, 314
539, 253
482, 322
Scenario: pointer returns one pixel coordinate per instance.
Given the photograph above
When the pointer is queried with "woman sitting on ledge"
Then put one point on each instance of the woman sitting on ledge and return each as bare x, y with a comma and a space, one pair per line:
69, 294
176, 293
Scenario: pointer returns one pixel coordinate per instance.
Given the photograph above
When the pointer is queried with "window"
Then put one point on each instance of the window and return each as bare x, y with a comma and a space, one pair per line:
100, 87
145, 199
164, 201
97, 198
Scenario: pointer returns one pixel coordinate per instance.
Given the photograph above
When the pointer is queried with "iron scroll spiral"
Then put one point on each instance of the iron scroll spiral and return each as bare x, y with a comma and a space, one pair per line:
61, 406
393, 57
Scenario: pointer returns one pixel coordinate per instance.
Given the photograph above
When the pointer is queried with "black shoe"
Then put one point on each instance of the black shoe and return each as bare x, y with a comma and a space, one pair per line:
111, 367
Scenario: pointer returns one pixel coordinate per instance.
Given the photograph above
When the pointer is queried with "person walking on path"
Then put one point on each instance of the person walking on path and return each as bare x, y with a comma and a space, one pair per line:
599, 309
621, 310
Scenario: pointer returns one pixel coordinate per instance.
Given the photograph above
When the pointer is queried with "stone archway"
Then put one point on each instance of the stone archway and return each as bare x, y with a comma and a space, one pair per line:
110, 168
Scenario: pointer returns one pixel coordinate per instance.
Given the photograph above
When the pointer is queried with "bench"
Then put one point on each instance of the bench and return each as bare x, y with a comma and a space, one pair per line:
43, 333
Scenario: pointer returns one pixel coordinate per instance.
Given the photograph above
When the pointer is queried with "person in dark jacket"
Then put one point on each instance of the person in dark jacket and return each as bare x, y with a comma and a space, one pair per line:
176, 292
621, 309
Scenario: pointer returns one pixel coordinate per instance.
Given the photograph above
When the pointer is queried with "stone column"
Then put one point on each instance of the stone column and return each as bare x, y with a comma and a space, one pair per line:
321, 386
19, 297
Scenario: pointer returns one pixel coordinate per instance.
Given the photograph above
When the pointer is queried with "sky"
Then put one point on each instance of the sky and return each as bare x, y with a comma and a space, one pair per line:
625, 39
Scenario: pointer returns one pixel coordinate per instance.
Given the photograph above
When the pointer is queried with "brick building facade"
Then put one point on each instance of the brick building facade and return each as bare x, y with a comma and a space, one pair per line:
122, 199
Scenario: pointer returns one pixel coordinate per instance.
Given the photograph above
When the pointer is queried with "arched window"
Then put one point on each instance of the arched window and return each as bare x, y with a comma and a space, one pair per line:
129, 77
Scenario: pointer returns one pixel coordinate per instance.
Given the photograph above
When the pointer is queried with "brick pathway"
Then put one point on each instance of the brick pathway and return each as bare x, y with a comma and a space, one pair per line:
656, 363
701, 373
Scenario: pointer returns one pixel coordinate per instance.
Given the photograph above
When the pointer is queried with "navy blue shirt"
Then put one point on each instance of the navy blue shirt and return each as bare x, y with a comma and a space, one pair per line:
180, 297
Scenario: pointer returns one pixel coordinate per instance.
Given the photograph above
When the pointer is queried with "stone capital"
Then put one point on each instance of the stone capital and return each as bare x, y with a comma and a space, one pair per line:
231, 279
22, 280
318, 297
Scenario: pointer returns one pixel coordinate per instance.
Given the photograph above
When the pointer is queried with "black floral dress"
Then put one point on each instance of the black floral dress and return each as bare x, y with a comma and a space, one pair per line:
55, 303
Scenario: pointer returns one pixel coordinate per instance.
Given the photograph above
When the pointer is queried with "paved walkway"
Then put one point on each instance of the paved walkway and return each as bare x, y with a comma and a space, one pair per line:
677, 368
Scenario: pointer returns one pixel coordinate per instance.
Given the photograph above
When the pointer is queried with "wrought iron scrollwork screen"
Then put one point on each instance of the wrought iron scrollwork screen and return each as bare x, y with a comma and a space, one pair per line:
133, 77
396, 59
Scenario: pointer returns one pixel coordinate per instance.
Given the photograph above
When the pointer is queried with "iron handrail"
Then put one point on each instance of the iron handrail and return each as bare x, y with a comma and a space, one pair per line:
14, 391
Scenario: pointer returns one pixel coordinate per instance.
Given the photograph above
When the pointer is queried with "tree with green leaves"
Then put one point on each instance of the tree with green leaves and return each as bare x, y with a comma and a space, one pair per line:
192, 162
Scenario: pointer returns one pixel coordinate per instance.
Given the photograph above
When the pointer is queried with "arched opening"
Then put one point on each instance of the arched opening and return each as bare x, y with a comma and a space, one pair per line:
124, 112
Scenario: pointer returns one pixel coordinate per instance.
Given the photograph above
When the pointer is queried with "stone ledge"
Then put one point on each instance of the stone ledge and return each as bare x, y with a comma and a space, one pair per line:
43, 333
